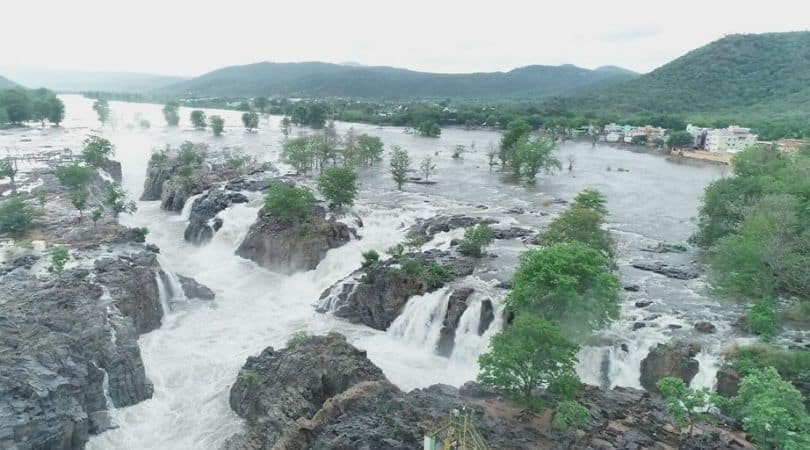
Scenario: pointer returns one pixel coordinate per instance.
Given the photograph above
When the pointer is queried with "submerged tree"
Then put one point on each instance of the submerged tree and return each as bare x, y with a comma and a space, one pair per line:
102, 109
171, 112
338, 185
250, 120
198, 119
217, 125
400, 164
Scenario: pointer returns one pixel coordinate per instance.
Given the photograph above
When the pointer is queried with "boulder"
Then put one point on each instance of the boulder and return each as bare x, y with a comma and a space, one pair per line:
676, 359
680, 273
512, 233
287, 248
194, 289
131, 282
153, 184
427, 228
705, 327
728, 381
487, 316
201, 223
632, 288
456, 306
643, 303
638, 325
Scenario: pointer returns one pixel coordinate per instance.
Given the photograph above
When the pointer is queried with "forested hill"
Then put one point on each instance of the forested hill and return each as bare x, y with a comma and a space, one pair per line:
755, 75
77, 81
5, 83
316, 79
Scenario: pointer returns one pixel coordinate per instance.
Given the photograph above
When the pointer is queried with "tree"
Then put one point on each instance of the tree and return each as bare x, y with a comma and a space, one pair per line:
97, 151
429, 129
198, 119
591, 199
289, 203
475, 239
116, 199
492, 155
171, 112
8, 169
583, 225
96, 215
338, 185
459, 150
516, 131
56, 110
565, 386
535, 154
78, 197
370, 149
17, 105
570, 283
525, 356
285, 126
260, 103
74, 176
679, 139
16, 216
59, 256
217, 125
298, 153
400, 164
39, 109
640, 139
250, 120
427, 167
570, 414
102, 109
685, 405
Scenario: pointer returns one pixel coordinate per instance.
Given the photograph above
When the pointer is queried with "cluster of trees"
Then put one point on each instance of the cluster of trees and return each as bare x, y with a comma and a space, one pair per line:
18, 106
316, 151
560, 294
429, 129
525, 155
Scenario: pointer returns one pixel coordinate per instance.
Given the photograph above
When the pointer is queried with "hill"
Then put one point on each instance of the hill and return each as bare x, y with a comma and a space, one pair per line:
5, 83
755, 76
78, 81
317, 79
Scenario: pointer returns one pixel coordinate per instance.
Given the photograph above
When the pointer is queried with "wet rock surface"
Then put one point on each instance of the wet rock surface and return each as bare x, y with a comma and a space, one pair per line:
679, 273
457, 305
130, 280
676, 359
201, 224
427, 228
193, 289
283, 247
375, 295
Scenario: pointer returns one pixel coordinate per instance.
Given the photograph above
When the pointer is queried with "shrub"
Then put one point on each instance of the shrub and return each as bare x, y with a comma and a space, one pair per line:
289, 203
299, 337
217, 125
16, 216
791, 364
96, 215
370, 258
74, 176
116, 199
581, 225
250, 120
565, 386
762, 319
476, 239
338, 185
685, 405
59, 257
591, 199
433, 274
395, 250
97, 151
78, 197
191, 154
198, 119
570, 414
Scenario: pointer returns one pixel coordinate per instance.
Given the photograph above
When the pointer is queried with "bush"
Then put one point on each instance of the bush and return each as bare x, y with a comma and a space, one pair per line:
16, 216
685, 405
570, 414
370, 258
116, 199
762, 319
791, 364
59, 257
250, 120
97, 151
191, 154
581, 225
433, 274
198, 119
338, 185
74, 176
289, 203
217, 125
475, 239
429, 129
299, 337
591, 199
565, 386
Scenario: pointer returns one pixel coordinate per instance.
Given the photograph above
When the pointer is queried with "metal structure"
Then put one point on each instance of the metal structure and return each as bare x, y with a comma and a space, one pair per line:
456, 433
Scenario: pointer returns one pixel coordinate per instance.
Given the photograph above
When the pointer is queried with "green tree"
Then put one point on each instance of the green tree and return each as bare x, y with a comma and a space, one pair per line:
217, 125
569, 283
565, 386
250, 120
96, 215
581, 225
116, 199
102, 109
59, 257
289, 203
570, 414
39, 108
516, 131
338, 185
78, 197
260, 103
476, 239
761, 319
525, 356
400, 164
679, 139
427, 167
285, 125
685, 405
17, 104
535, 154
16, 216
591, 199
370, 149
56, 110
74, 176
198, 119
97, 151
8, 169
370, 258
298, 153
171, 112
429, 129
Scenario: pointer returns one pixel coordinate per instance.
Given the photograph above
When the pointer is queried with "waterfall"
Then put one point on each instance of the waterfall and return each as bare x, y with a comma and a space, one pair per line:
420, 322
706, 377
105, 387
164, 293
337, 292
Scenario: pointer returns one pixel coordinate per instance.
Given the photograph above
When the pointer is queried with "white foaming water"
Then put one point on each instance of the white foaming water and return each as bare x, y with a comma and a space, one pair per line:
709, 363
420, 323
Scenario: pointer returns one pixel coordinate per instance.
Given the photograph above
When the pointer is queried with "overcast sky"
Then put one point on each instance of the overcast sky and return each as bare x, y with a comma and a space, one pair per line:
183, 37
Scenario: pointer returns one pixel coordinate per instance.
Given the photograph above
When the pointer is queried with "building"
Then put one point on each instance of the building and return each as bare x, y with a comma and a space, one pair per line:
732, 139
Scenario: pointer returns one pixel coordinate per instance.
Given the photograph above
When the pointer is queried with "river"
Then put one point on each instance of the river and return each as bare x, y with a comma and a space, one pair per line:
194, 357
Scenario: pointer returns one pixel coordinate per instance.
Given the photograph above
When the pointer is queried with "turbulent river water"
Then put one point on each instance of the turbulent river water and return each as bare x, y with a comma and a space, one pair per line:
195, 356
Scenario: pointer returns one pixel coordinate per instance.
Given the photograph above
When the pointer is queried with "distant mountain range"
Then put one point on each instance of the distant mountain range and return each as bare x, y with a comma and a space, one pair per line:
318, 79
78, 81
5, 83
762, 75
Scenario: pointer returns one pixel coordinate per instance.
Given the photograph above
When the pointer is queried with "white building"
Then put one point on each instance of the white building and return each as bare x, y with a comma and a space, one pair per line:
731, 139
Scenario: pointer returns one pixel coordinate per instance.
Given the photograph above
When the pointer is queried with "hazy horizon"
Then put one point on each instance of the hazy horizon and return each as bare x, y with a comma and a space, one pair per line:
188, 39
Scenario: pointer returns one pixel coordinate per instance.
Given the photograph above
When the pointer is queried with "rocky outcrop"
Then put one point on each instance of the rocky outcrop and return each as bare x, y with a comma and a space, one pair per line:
513, 233
669, 360
375, 295
114, 169
130, 280
193, 289
456, 305
59, 339
705, 327
202, 221
285, 412
425, 229
680, 273
283, 247
728, 381
156, 175
487, 316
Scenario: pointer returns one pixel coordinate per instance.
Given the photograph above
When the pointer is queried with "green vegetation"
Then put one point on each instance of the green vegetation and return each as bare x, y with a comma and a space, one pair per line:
525, 356
96, 215
97, 151
338, 185
531, 155
18, 106
78, 197
516, 131
59, 257
427, 167
171, 112
299, 337
198, 119
250, 120
297, 153
476, 239
217, 125
116, 199
8, 169
370, 149
289, 203
16, 216
570, 415
685, 405
400, 164
309, 114
435, 275
260, 103
680, 139
429, 129
565, 386
792, 365
74, 176
190, 154
762, 319
582, 222
102, 109
370, 258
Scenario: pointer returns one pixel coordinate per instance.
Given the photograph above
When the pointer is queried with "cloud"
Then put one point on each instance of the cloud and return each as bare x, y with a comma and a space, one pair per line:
634, 34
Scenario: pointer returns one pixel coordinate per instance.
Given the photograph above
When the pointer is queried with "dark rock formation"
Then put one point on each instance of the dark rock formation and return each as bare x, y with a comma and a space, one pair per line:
680, 273
254, 183
663, 247
133, 288
638, 325
286, 248
669, 360
375, 295
194, 289
456, 305
643, 303
156, 175
201, 226
487, 316
632, 288
59, 339
427, 228
728, 381
114, 169
24, 262
705, 327
512, 233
